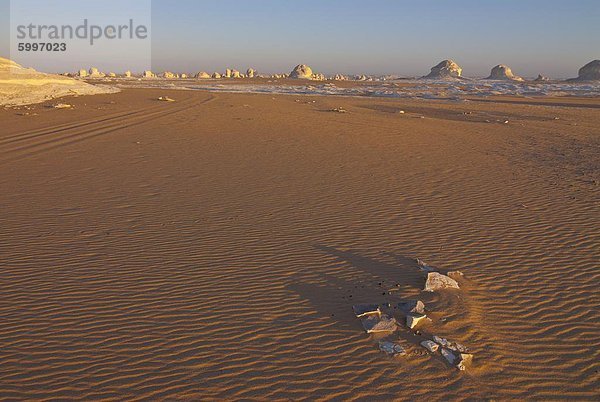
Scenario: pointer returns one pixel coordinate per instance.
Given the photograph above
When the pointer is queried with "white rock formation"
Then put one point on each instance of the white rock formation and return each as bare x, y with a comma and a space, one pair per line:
444, 70
503, 72
184, 75
23, 86
318, 77
250, 73
95, 73
339, 77
235, 74
216, 75
590, 72
112, 75
82, 73
202, 75
437, 281
227, 73
302, 71
541, 78
128, 74
168, 75
149, 74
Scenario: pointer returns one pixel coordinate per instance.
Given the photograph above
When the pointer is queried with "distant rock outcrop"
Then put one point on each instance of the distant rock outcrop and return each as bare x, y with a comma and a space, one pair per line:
95, 73
169, 75
202, 75
503, 72
250, 73
149, 74
127, 74
302, 71
235, 74
82, 73
445, 69
541, 78
590, 72
23, 86
216, 75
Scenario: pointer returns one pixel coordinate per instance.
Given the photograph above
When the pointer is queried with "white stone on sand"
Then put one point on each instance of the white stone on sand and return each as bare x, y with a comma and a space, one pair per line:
250, 73
414, 319
216, 75
168, 75
128, 74
437, 281
430, 346
82, 73
202, 75
149, 74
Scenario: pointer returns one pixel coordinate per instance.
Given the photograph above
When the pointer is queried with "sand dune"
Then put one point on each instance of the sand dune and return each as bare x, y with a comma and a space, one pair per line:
194, 251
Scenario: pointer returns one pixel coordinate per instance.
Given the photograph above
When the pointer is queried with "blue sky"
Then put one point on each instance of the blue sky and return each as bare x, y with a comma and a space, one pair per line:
374, 37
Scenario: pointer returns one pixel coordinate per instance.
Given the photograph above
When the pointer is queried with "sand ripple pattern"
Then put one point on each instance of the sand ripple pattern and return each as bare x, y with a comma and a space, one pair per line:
205, 258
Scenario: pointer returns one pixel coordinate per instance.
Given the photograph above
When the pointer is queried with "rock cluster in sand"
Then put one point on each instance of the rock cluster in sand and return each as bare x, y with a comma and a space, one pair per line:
541, 78
149, 74
503, 72
445, 69
590, 72
202, 75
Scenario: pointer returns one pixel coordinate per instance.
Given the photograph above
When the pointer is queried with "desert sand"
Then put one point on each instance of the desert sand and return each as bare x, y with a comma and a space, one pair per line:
213, 247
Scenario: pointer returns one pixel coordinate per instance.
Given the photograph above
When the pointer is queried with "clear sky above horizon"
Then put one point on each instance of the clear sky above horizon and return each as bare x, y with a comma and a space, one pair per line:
374, 37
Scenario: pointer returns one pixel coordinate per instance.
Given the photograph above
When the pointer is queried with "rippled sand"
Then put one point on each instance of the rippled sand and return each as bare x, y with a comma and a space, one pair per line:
213, 247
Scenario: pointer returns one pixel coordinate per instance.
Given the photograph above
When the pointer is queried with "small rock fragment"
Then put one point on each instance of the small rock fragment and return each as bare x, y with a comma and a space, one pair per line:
430, 346
361, 310
62, 106
391, 348
440, 341
374, 324
448, 355
412, 306
412, 320
437, 281
465, 360
456, 275
166, 99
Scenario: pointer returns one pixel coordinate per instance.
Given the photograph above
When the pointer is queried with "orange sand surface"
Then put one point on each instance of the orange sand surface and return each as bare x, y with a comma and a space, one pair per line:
212, 247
